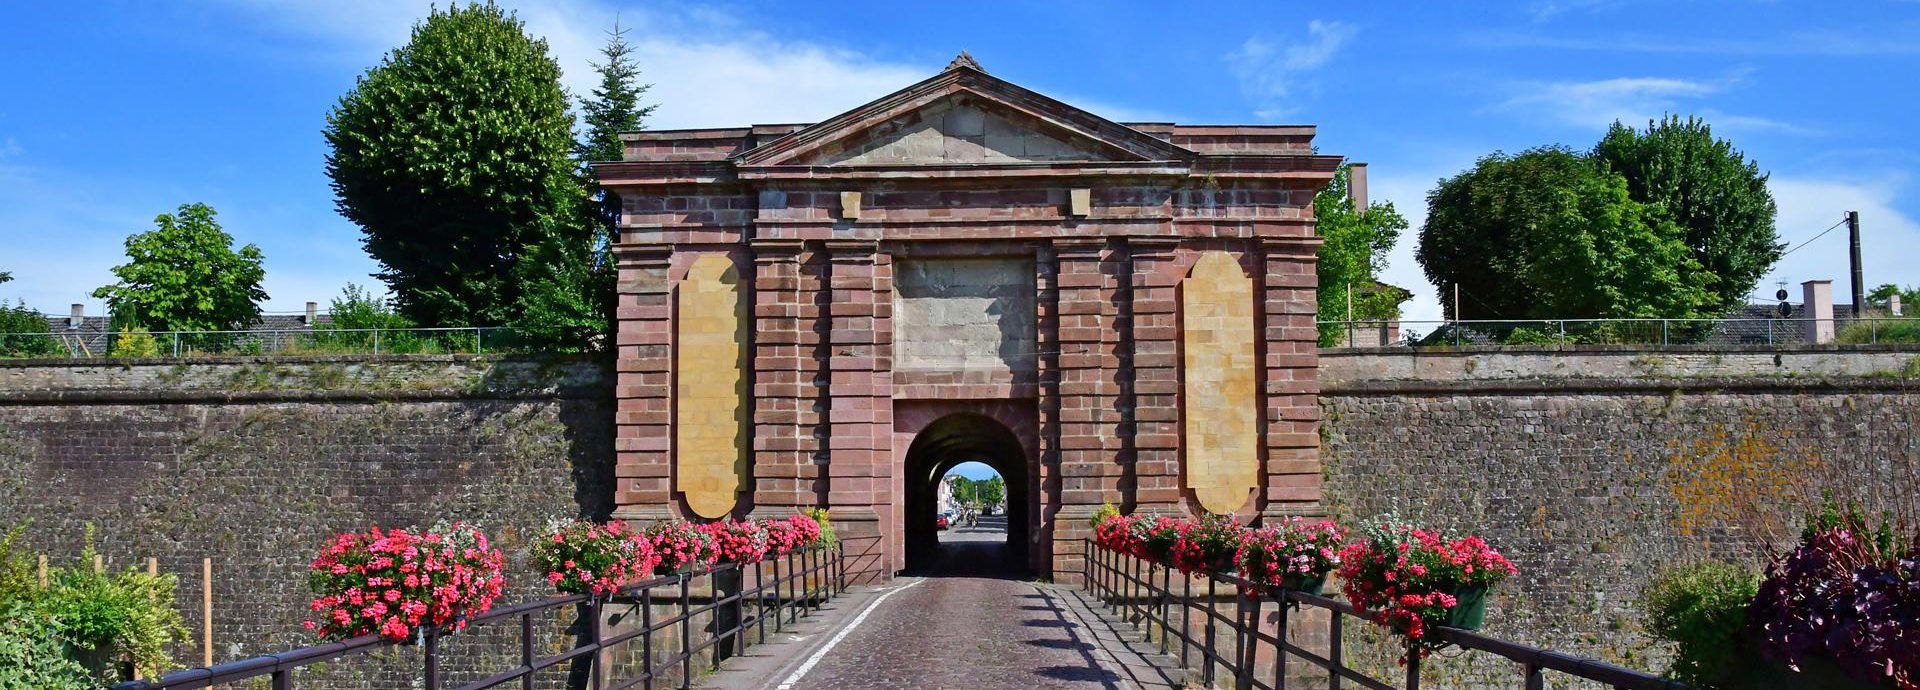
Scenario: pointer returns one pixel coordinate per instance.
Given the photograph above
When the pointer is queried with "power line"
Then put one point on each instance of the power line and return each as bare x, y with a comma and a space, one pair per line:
1823, 233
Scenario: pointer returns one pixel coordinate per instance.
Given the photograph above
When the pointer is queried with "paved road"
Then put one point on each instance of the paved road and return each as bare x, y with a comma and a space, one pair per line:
970, 624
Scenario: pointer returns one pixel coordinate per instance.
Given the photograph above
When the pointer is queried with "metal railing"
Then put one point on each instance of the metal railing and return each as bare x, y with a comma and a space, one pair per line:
1126, 584
667, 607
1869, 330
319, 340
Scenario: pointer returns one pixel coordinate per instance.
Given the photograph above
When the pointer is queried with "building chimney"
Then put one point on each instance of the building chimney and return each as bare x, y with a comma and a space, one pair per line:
1893, 303
1357, 186
1818, 295
76, 317
313, 313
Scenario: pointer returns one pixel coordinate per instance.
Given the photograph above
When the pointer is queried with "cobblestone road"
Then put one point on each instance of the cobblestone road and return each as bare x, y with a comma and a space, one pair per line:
973, 626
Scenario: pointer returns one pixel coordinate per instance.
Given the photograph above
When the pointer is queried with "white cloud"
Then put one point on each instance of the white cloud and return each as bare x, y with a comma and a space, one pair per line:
1270, 72
1635, 100
707, 67
1810, 204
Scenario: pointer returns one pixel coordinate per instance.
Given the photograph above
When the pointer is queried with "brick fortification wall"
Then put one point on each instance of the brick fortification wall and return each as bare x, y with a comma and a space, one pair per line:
253, 462
1594, 468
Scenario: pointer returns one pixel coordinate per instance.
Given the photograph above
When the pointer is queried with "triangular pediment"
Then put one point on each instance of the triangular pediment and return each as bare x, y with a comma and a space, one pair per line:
962, 116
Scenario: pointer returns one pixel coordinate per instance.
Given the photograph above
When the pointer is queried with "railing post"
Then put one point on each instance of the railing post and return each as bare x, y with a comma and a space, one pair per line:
779, 621
760, 588
1664, 339
1207, 661
430, 659
726, 612
1280, 644
526, 649
376, 341
1186, 617
282, 680
478, 348
176, 344
1242, 647
1334, 661
686, 632
1534, 679
594, 637
646, 637
1413, 670
1166, 587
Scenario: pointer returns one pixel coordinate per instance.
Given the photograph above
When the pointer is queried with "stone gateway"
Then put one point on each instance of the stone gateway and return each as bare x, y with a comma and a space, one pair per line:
836, 314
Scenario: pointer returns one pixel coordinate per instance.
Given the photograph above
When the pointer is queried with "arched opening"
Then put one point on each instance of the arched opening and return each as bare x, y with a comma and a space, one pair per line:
945, 444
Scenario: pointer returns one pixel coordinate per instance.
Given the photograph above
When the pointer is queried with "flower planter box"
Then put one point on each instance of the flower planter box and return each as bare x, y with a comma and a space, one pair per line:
1469, 609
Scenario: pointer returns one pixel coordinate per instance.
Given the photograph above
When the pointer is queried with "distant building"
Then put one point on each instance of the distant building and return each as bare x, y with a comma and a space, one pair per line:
943, 500
1364, 333
85, 335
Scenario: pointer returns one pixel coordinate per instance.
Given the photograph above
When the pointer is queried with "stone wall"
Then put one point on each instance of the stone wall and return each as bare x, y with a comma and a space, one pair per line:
252, 462
1594, 468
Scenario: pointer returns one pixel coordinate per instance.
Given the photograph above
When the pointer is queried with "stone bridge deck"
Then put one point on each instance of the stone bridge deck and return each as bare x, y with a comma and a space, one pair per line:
971, 623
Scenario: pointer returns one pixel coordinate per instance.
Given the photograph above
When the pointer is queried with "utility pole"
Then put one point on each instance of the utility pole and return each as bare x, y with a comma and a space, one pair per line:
1859, 281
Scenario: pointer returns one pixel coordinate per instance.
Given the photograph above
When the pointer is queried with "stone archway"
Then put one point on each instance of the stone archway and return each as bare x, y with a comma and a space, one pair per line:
937, 449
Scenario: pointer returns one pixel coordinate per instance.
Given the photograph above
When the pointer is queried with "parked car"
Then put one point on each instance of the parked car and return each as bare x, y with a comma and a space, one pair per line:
940, 522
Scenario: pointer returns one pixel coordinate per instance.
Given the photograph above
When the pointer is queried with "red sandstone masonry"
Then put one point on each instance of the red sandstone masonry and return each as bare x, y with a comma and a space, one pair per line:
1105, 393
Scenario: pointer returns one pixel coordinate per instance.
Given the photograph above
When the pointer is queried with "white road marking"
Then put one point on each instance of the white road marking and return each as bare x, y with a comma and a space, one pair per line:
798, 673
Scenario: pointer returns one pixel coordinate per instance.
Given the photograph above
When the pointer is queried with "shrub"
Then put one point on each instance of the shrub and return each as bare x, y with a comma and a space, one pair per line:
1411, 576
1107, 511
23, 333
130, 341
681, 545
33, 652
394, 582
1702, 608
828, 537
1292, 554
1882, 328
18, 582
1848, 593
581, 557
127, 617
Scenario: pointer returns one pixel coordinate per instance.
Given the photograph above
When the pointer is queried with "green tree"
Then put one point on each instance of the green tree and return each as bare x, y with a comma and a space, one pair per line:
184, 275
1547, 234
991, 491
1352, 256
1710, 190
569, 298
453, 156
1882, 297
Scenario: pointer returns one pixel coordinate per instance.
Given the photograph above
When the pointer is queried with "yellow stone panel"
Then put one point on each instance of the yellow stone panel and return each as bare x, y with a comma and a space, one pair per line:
710, 394
1222, 415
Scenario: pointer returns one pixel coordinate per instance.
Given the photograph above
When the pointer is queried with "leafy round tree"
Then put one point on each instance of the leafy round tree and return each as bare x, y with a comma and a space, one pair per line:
1707, 187
184, 275
1353, 254
453, 156
1546, 234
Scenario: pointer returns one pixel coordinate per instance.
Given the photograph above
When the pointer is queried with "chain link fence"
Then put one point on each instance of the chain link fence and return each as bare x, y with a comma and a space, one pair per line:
311, 341
1744, 331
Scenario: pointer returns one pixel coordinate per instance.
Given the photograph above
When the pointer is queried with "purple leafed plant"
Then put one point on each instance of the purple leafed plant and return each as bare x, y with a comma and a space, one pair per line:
1845, 594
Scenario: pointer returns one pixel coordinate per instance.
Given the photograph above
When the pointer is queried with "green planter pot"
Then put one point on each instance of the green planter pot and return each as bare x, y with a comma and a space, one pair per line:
1469, 609
1300, 583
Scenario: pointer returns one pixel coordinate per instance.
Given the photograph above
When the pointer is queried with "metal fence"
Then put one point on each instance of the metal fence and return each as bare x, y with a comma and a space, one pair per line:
669, 639
321, 340
1733, 331
1127, 584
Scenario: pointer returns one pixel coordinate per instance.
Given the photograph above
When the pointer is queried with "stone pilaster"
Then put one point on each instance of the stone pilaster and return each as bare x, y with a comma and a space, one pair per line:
861, 484
784, 414
1155, 328
643, 432
1093, 444
1291, 388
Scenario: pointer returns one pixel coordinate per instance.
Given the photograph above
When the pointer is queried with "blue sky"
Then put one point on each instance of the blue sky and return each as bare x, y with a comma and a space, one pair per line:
115, 112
